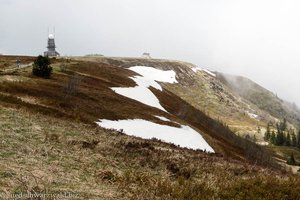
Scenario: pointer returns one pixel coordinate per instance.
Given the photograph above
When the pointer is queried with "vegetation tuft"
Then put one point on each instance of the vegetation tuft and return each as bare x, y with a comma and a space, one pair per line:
41, 67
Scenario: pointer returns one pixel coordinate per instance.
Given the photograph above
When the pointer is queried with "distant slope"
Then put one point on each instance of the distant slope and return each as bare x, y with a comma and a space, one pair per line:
261, 97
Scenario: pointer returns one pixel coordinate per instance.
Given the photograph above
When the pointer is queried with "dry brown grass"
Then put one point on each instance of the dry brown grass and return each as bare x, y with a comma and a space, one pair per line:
45, 154
10, 61
93, 100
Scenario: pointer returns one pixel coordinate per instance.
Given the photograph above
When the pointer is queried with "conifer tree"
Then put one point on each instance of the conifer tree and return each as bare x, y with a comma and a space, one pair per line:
267, 133
294, 139
291, 160
273, 137
280, 135
298, 139
287, 141
41, 67
283, 125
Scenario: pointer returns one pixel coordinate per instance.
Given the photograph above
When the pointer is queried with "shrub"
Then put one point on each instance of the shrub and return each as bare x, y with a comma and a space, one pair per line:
41, 67
72, 86
291, 160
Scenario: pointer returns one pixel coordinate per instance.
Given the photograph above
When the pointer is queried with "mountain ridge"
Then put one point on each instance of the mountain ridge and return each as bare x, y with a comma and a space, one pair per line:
261, 97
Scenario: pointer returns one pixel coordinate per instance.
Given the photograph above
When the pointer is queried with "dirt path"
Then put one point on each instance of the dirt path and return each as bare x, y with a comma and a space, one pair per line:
15, 69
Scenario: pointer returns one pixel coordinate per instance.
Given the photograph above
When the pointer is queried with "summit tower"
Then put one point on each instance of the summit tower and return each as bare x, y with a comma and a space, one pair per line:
51, 47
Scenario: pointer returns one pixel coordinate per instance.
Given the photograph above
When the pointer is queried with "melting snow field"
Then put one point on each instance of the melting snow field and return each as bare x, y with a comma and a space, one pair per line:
184, 136
149, 76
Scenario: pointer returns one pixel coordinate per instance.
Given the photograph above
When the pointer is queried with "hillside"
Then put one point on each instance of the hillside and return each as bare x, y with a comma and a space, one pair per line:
51, 142
261, 97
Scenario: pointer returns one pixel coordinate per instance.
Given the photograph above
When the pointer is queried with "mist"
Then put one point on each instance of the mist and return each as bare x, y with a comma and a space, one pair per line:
256, 39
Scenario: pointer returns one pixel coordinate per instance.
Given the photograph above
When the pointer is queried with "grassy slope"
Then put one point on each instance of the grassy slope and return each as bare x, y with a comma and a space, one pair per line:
220, 105
45, 154
50, 145
7, 62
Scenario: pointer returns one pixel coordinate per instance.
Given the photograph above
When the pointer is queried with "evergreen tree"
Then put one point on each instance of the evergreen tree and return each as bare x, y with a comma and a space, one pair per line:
267, 133
298, 139
273, 137
283, 125
280, 135
293, 138
287, 141
41, 67
291, 160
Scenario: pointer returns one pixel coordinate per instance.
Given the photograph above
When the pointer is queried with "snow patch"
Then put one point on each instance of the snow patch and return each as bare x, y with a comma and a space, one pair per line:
149, 76
209, 72
184, 136
252, 115
162, 118
195, 69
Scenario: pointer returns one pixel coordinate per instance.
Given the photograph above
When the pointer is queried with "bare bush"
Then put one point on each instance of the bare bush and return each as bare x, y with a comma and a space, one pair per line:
72, 86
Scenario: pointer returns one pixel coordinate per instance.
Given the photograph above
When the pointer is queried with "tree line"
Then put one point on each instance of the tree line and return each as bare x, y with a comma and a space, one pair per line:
282, 135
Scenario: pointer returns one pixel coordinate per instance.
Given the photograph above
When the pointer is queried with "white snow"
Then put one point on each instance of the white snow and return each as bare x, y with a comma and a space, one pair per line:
209, 72
195, 69
162, 118
252, 115
184, 136
149, 76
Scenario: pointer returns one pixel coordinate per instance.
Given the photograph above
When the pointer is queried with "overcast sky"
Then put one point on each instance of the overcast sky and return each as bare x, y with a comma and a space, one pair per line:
259, 39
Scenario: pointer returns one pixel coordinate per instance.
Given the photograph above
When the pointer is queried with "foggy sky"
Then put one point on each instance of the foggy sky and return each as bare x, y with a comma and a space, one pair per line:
259, 39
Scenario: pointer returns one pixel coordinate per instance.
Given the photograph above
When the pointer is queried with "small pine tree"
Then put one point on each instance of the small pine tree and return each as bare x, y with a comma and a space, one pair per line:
298, 139
284, 138
294, 139
41, 67
280, 136
267, 133
273, 137
283, 125
287, 141
291, 160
